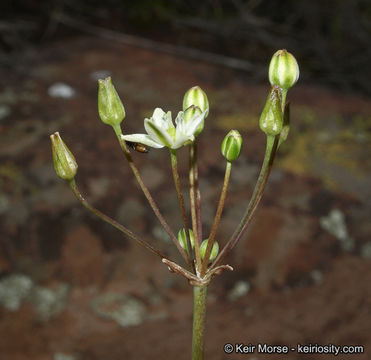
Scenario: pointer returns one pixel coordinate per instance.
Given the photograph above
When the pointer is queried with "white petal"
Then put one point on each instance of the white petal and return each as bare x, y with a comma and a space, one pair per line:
168, 120
142, 139
157, 133
185, 131
150, 132
180, 124
161, 119
158, 115
181, 135
194, 123
168, 124
182, 140
179, 117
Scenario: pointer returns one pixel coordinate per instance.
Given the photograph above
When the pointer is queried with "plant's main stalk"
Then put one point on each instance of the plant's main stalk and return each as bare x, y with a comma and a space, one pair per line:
199, 320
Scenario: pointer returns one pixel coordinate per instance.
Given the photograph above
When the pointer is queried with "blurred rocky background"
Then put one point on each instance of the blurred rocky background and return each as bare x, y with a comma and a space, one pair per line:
71, 287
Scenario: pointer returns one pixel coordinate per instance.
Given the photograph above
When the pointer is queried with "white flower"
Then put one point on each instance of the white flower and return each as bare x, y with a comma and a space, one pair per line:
162, 132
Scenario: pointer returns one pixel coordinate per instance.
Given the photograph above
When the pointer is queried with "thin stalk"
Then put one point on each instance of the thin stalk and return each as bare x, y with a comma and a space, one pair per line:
147, 194
114, 223
218, 215
197, 191
270, 151
199, 320
193, 203
283, 100
174, 167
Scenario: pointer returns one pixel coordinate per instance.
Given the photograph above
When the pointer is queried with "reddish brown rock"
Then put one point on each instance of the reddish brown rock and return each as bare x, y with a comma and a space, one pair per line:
275, 246
82, 260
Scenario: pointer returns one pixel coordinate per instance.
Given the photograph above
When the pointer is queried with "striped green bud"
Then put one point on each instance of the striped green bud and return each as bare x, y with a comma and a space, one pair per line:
214, 250
231, 145
197, 97
182, 238
271, 120
283, 70
110, 108
64, 162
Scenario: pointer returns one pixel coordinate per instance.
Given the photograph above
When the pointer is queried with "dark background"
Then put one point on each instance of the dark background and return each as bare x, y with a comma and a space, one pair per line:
331, 37
73, 288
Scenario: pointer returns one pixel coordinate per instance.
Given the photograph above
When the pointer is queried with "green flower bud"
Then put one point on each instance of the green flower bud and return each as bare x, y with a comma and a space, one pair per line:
64, 162
231, 145
191, 112
286, 125
110, 108
182, 238
271, 120
197, 97
214, 250
283, 70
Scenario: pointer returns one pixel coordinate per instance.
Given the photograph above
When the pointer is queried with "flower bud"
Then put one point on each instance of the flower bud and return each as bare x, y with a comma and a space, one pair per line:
283, 70
271, 120
182, 238
231, 145
191, 112
64, 162
110, 108
197, 97
214, 250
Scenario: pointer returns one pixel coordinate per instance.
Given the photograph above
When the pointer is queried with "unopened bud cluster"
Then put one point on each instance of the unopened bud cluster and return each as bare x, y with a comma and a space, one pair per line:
182, 238
283, 74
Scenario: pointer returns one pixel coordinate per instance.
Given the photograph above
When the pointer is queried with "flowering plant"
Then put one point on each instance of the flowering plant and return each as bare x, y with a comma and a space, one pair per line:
203, 260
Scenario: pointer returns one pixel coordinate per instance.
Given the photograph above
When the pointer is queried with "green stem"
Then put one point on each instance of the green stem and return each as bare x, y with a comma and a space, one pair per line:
147, 194
174, 167
199, 320
197, 190
114, 223
217, 217
271, 147
193, 203
283, 100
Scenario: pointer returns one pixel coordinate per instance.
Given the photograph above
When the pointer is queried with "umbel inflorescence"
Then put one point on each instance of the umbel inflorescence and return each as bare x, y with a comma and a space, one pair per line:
203, 256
